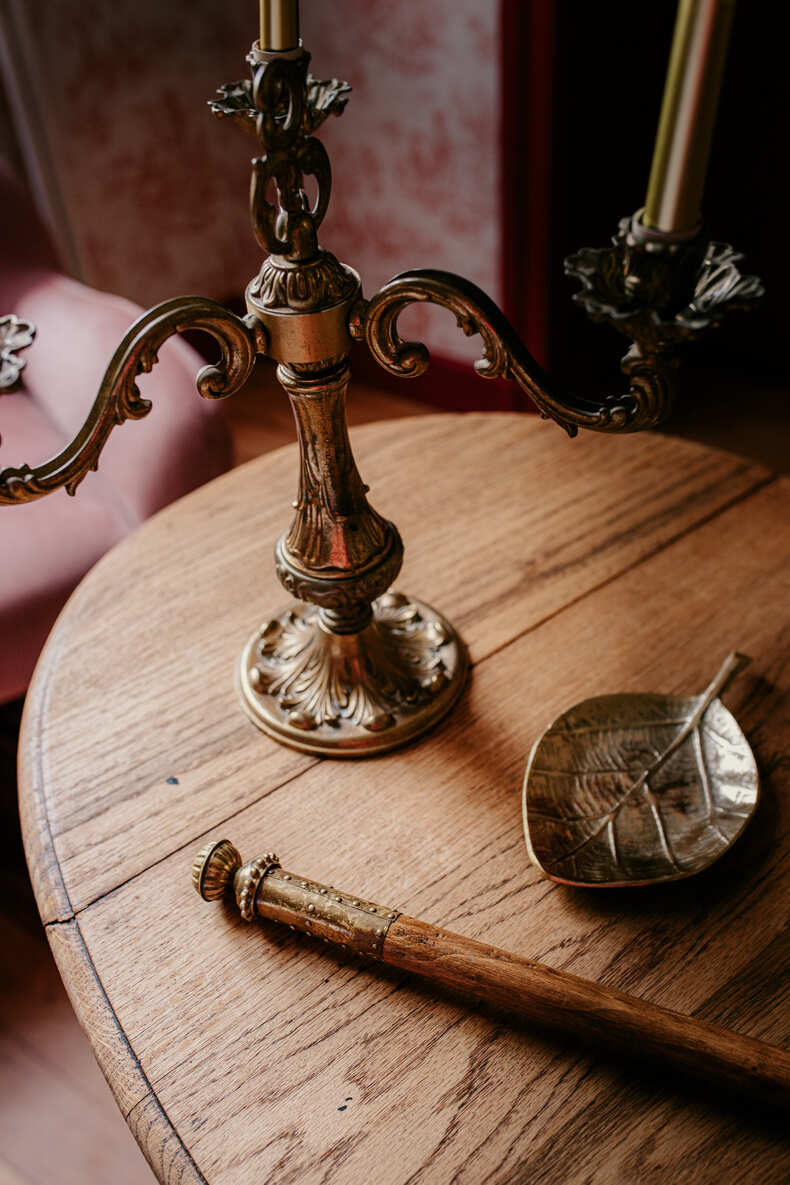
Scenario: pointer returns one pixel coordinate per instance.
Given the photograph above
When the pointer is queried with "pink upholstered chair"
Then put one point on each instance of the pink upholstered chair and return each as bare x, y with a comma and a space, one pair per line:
47, 546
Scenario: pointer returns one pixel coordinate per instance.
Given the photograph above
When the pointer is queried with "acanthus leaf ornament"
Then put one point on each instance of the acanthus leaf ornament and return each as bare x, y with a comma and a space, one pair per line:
349, 693
661, 293
323, 97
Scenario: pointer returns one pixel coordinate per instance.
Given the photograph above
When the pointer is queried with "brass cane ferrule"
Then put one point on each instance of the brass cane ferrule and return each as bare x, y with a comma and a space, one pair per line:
263, 889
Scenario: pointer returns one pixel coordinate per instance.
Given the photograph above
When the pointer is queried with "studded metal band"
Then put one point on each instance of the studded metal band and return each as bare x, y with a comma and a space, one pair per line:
249, 879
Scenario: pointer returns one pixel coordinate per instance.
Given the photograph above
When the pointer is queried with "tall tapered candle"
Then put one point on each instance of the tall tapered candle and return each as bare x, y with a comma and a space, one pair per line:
279, 25
688, 111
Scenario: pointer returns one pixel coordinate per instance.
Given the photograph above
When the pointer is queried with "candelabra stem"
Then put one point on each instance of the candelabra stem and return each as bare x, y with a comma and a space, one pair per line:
352, 668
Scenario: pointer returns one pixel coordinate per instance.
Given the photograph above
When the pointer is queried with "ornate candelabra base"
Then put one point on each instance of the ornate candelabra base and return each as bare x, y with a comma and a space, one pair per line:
357, 693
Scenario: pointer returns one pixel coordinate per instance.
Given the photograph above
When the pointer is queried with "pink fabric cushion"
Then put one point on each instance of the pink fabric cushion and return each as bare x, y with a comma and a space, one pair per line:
47, 546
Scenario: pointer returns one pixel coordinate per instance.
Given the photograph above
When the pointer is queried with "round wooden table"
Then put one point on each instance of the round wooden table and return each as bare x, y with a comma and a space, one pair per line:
245, 1054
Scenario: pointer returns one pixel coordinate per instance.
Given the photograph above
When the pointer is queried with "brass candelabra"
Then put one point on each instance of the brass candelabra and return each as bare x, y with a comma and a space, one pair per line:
351, 668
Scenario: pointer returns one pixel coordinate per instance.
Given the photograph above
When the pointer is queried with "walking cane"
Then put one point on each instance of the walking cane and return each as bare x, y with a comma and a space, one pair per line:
551, 997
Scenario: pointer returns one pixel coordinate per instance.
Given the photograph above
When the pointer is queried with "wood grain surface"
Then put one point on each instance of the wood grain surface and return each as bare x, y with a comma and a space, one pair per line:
244, 1054
558, 999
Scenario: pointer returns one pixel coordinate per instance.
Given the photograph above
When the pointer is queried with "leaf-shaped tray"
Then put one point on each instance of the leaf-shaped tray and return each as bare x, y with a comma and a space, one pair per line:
636, 789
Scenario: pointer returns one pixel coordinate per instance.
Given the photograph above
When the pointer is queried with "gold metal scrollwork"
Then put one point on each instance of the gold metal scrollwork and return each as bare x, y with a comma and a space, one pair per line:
505, 356
658, 292
285, 101
119, 399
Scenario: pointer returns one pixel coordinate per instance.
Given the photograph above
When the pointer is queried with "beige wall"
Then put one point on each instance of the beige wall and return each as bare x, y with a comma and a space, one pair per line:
152, 191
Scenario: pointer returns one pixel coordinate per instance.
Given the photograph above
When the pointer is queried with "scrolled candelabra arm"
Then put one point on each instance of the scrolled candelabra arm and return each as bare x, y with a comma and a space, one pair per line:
659, 290
119, 398
504, 354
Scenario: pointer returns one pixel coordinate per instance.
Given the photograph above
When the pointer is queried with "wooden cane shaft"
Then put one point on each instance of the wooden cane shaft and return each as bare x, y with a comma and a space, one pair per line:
549, 996
566, 1001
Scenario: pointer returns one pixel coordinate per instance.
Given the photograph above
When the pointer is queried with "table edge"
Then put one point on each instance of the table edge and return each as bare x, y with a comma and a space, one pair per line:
155, 1135
137, 1101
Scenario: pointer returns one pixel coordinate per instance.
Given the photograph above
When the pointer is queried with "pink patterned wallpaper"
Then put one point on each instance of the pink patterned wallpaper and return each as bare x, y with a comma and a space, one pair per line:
416, 153
155, 190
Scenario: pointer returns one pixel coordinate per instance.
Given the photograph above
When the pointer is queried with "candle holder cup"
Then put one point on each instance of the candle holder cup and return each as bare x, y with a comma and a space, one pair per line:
352, 668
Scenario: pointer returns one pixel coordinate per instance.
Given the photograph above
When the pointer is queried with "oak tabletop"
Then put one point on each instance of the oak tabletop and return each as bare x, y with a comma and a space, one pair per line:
243, 1054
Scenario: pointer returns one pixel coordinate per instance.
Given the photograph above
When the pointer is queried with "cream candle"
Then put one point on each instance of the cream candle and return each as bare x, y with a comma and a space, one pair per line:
688, 111
279, 25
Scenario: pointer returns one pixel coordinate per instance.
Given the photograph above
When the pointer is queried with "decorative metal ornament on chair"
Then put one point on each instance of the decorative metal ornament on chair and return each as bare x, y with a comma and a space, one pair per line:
15, 334
351, 668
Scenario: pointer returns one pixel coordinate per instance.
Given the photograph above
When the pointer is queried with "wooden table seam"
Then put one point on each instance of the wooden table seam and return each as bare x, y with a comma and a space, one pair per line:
181, 847
736, 500
35, 703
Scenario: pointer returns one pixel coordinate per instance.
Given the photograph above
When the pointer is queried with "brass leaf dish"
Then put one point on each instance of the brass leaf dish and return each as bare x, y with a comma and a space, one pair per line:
637, 789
